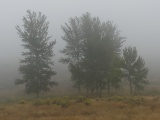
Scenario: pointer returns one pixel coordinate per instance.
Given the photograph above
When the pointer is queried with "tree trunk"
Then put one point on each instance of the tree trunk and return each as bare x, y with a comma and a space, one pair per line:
87, 90
79, 88
37, 74
108, 87
92, 89
97, 89
130, 84
100, 91
37, 94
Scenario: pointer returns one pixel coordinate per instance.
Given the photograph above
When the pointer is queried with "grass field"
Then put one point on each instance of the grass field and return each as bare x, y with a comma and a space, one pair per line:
16, 105
81, 108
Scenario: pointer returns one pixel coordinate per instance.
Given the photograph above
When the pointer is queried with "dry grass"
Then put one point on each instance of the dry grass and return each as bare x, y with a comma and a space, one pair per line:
115, 108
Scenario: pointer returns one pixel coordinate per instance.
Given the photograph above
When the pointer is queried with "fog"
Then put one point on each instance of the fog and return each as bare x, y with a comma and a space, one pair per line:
138, 21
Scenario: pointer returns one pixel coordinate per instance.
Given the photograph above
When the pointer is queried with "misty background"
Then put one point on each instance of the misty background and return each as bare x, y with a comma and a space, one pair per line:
138, 21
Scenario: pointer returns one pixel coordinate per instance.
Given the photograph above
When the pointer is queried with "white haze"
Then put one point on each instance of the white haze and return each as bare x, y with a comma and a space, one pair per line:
138, 21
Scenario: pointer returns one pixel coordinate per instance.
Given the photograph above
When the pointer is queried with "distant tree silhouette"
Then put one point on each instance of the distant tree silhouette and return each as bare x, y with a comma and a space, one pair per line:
36, 67
72, 51
90, 49
135, 70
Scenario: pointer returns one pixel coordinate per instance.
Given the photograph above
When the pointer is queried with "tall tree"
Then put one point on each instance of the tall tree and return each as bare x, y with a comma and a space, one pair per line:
114, 42
72, 51
102, 44
135, 69
140, 74
116, 74
91, 45
36, 67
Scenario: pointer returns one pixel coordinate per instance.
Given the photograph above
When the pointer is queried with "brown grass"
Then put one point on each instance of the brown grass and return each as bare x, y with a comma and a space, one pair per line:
102, 109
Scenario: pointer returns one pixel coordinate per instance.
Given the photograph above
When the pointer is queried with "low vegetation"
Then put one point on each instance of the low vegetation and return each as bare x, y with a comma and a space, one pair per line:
82, 108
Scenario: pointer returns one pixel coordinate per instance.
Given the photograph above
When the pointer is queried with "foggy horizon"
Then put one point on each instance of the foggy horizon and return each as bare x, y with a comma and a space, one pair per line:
138, 21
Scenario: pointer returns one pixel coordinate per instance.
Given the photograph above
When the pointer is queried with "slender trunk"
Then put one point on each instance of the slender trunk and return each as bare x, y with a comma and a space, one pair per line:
130, 84
92, 89
37, 74
37, 88
87, 90
137, 88
100, 91
79, 88
78, 61
108, 86
97, 89
130, 81
37, 94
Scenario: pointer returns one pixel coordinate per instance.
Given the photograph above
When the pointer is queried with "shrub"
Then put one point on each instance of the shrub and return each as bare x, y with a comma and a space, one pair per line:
56, 100
22, 102
80, 99
87, 102
38, 102
116, 98
134, 100
130, 100
64, 103
47, 101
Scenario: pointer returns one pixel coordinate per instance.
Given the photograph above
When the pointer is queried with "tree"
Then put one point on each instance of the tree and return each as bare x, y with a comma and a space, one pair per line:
72, 51
91, 45
135, 70
36, 67
102, 44
116, 74
140, 74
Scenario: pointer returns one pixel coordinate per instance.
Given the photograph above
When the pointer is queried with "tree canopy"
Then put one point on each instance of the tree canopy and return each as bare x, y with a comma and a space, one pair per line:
36, 67
135, 70
91, 47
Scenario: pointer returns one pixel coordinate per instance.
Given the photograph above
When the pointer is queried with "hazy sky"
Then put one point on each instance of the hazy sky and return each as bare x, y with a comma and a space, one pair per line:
138, 21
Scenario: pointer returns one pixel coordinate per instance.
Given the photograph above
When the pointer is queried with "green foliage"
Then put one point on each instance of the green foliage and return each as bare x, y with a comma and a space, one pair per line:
135, 70
36, 66
140, 74
47, 101
22, 102
116, 74
116, 98
63, 102
134, 100
87, 102
56, 100
80, 99
67, 101
38, 102
72, 51
90, 49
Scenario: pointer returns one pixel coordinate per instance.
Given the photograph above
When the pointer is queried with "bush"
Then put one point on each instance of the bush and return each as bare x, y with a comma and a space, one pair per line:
55, 100
130, 100
116, 98
63, 102
80, 99
87, 102
135, 100
38, 102
22, 102
47, 101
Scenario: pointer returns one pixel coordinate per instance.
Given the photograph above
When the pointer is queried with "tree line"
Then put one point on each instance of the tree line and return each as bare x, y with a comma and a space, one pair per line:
93, 53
